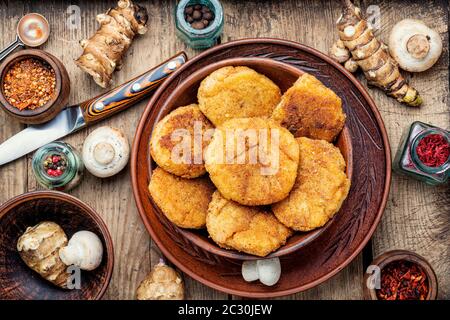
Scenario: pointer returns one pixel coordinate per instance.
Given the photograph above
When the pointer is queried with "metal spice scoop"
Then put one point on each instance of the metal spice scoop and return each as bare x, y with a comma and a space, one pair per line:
32, 31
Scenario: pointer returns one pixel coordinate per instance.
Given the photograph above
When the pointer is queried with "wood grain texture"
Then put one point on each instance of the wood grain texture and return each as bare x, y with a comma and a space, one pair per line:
417, 216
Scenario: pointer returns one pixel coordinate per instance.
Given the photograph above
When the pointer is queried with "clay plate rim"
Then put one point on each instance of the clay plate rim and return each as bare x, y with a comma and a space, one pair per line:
384, 197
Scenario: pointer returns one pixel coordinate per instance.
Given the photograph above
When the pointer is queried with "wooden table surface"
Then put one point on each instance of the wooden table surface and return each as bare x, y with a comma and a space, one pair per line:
417, 216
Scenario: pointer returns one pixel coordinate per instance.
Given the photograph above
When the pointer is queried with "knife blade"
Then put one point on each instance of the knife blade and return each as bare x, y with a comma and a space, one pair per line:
76, 117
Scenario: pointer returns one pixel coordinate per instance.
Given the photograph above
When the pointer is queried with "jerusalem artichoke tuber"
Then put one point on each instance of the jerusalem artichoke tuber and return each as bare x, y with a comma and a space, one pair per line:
162, 283
372, 56
104, 51
39, 246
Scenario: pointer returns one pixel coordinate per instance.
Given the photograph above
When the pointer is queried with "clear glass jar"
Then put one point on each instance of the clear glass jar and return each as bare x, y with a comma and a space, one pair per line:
72, 174
407, 161
199, 38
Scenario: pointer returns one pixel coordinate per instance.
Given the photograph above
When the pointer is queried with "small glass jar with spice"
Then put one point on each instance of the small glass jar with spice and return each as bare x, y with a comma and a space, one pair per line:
57, 166
199, 23
424, 154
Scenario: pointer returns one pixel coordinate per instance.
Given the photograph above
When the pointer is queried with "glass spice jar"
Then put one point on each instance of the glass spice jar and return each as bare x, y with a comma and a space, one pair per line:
423, 154
57, 166
194, 36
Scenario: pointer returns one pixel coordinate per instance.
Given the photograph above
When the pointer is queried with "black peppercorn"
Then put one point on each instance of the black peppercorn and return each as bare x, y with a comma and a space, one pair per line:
208, 16
198, 16
188, 10
198, 25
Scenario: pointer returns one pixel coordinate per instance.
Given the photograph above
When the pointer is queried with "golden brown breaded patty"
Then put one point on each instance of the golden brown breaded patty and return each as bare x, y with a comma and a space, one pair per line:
310, 109
237, 92
320, 189
251, 230
183, 201
187, 164
259, 170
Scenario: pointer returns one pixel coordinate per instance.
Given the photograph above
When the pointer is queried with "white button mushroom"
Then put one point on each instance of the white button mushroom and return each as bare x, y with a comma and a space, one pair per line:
414, 46
105, 152
250, 271
268, 271
84, 250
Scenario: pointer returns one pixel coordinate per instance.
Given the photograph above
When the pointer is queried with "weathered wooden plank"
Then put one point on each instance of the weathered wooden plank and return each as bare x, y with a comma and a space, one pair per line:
13, 176
417, 216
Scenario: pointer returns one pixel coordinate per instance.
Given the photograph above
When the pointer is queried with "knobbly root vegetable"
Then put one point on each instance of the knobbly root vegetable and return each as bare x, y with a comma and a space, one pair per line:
267, 271
162, 283
351, 65
372, 56
414, 46
339, 52
39, 249
84, 250
104, 51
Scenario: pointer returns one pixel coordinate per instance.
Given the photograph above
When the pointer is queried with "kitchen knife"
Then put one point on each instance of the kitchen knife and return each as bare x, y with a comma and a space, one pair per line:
76, 117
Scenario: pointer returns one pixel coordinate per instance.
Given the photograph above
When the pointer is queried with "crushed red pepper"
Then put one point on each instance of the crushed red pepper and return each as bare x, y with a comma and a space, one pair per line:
433, 150
403, 280
29, 84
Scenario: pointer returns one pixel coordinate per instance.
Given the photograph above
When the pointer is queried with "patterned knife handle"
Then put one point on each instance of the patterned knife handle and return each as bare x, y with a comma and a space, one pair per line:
127, 94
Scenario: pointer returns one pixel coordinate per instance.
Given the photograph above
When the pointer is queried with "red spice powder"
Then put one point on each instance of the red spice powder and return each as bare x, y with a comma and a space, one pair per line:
403, 280
433, 150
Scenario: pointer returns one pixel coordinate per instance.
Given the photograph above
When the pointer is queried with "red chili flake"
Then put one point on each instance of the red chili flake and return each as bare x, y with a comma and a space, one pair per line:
403, 280
433, 150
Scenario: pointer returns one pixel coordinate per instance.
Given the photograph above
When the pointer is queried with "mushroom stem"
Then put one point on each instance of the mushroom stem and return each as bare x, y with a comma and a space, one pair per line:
418, 46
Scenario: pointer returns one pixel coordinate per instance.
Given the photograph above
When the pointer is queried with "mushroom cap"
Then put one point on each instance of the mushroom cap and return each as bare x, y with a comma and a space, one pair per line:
414, 45
84, 250
105, 152
269, 271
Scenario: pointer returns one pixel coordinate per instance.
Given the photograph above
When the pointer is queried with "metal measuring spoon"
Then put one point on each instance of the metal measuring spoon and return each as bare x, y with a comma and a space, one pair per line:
32, 31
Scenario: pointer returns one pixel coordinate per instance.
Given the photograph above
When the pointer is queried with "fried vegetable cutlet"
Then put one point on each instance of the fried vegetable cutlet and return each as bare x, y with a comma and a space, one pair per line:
310, 109
183, 201
320, 189
237, 92
252, 230
252, 161
169, 135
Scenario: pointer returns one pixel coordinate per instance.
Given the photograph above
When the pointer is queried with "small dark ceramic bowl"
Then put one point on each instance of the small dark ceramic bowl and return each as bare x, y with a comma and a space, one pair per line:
17, 281
284, 76
402, 255
49, 110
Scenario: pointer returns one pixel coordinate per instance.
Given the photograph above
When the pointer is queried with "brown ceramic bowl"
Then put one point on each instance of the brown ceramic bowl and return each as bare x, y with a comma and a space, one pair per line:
350, 230
402, 255
54, 105
284, 75
19, 282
